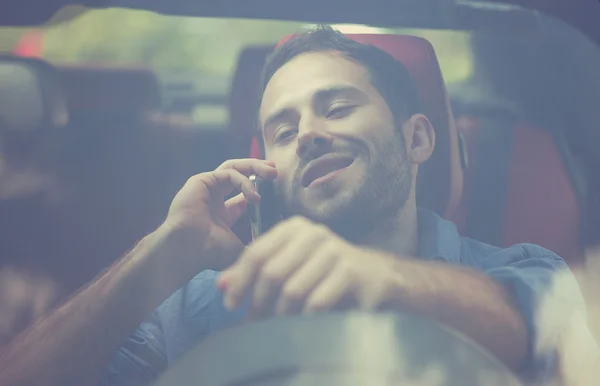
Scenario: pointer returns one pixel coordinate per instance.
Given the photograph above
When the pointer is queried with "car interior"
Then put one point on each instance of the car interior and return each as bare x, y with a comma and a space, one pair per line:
92, 152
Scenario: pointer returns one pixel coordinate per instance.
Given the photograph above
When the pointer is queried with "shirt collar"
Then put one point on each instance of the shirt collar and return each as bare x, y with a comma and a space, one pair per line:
438, 238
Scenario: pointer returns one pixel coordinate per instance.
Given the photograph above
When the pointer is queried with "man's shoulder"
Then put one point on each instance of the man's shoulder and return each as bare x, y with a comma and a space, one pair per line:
440, 238
524, 254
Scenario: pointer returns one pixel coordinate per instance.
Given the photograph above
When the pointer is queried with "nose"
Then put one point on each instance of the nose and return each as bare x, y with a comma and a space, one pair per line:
313, 142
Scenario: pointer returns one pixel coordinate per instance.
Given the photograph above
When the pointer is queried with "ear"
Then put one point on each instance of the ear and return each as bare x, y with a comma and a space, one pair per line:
420, 138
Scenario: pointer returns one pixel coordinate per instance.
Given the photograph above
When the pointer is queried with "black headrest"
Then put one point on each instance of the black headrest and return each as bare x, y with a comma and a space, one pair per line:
31, 97
110, 91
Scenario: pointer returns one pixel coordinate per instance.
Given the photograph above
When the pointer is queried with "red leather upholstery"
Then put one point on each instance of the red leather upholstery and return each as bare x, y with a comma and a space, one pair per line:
537, 204
467, 127
440, 179
542, 206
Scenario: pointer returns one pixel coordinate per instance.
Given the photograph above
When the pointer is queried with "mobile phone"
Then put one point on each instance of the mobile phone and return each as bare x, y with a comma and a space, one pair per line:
263, 214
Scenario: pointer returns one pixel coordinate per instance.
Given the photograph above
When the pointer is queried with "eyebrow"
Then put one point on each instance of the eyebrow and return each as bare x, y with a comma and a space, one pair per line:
276, 117
326, 95
320, 97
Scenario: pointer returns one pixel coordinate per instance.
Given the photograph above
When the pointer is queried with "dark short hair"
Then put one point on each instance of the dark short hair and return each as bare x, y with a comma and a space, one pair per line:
388, 75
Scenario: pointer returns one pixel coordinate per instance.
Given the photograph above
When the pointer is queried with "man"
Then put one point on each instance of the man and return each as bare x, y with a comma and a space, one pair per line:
344, 139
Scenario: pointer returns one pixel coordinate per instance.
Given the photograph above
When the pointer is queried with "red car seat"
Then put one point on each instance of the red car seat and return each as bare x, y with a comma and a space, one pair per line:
518, 186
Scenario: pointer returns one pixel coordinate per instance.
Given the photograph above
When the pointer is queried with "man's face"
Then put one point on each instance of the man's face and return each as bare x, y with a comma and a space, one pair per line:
340, 156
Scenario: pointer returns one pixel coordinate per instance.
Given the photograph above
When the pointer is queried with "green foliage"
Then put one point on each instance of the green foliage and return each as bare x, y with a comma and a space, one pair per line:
171, 44
165, 43
9, 37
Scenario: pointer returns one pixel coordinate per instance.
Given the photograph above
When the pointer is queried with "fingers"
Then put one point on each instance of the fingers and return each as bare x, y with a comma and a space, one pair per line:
248, 166
235, 207
299, 286
236, 172
278, 269
218, 184
243, 273
299, 267
226, 180
329, 292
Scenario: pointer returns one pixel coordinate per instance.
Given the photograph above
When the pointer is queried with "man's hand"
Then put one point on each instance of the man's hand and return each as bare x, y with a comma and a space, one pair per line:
201, 211
300, 266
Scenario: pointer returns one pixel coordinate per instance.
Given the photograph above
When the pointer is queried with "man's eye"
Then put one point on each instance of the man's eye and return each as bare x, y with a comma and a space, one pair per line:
284, 134
339, 111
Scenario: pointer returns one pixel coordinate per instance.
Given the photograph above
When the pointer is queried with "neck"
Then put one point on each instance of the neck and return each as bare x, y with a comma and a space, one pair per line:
398, 234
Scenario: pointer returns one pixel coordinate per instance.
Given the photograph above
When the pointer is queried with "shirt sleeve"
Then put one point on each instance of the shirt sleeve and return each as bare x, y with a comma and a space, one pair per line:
548, 297
141, 359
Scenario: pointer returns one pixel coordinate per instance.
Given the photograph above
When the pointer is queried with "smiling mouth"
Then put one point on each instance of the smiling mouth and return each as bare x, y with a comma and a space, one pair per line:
324, 169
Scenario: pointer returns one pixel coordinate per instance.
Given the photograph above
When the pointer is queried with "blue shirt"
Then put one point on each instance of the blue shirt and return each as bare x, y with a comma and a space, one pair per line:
196, 309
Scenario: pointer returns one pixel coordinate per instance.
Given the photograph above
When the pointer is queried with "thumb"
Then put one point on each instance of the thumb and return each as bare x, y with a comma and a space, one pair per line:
235, 208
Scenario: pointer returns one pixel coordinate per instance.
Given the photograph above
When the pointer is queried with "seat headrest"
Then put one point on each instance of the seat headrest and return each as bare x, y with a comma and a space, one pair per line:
440, 180
30, 96
110, 90
243, 96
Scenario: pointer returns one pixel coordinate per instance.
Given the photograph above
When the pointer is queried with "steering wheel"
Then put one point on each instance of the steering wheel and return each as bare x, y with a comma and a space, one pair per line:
350, 349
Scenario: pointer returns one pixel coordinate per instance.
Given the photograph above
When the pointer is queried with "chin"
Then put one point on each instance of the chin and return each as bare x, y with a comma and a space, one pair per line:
330, 209
329, 202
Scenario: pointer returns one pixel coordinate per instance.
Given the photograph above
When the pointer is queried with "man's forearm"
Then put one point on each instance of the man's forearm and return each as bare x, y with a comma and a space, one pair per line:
74, 344
465, 300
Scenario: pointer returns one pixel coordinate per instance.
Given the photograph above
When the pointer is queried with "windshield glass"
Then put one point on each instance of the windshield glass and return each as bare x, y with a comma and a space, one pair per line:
196, 54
